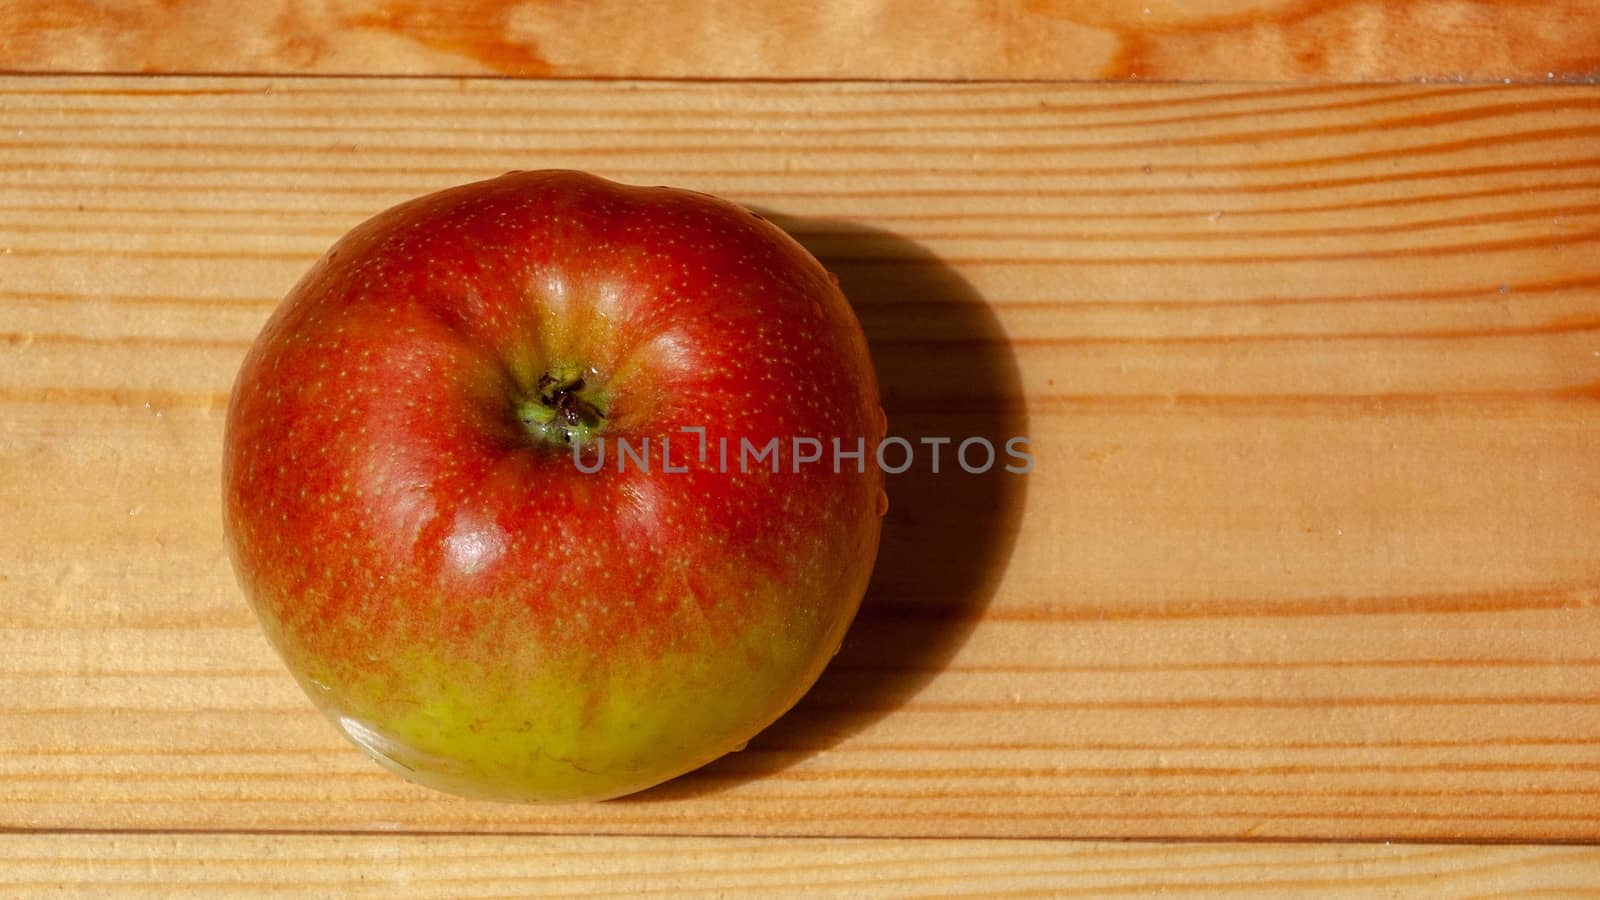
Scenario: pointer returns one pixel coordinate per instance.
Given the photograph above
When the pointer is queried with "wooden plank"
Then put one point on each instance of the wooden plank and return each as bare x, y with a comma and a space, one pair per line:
490, 866
1249, 40
1310, 374
462, 867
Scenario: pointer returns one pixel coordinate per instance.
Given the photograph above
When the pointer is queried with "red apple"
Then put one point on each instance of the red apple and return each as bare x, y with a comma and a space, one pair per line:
410, 510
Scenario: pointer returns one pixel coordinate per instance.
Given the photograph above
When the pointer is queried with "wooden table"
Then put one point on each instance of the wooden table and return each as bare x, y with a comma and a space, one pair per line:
1306, 338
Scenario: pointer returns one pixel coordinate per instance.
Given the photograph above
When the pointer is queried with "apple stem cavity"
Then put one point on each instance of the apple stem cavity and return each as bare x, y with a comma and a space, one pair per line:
559, 412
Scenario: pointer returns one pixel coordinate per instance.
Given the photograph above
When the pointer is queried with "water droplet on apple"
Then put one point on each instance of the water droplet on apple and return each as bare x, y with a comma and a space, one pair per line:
742, 745
883, 422
833, 279
883, 501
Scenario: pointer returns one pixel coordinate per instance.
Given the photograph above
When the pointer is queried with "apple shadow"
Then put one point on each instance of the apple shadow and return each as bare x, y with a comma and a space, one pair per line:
946, 370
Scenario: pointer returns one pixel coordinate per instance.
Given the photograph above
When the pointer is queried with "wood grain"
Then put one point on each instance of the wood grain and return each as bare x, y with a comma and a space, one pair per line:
1312, 377
474, 867
1250, 40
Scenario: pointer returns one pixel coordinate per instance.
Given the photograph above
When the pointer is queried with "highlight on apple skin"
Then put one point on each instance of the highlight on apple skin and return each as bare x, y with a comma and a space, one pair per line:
413, 510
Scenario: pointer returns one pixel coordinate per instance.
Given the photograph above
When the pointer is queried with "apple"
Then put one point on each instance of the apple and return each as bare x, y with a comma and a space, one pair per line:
485, 484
